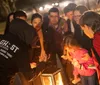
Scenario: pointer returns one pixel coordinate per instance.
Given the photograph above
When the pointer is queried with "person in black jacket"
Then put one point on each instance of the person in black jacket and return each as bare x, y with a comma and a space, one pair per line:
54, 28
14, 48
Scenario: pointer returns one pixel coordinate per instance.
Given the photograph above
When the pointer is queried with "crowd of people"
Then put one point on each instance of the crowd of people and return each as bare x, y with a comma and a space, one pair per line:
75, 41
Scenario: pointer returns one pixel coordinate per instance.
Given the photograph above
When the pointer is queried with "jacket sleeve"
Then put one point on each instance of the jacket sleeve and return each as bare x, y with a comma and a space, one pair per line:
29, 34
23, 64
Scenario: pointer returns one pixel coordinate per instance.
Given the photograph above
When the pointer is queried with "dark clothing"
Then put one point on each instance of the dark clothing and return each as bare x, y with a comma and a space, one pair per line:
13, 57
83, 40
77, 30
50, 43
14, 48
53, 37
23, 30
86, 42
90, 80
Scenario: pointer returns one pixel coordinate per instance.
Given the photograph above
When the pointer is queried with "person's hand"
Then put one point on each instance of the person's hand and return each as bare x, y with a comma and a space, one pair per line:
43, 56
33, 65
76, 63
75, 81
64, 57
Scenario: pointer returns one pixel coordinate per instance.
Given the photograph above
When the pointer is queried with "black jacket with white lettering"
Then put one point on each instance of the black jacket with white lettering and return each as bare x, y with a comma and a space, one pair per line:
14, 48
13, 56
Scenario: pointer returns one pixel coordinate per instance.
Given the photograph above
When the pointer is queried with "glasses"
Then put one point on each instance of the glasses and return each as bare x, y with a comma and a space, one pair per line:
77, 16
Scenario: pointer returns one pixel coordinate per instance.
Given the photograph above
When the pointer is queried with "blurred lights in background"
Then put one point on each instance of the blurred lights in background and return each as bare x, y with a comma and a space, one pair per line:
61, 5
41, 8
47, 6
56, 4
64, 3
53, 4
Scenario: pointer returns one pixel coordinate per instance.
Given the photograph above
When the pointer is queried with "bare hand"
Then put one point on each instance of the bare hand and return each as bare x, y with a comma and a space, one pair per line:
64, 57
43, 56
33, 65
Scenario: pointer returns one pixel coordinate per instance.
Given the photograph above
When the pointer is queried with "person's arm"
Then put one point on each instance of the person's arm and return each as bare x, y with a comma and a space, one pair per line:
76, 77
75, 73
22, 61
43, 54
40, 35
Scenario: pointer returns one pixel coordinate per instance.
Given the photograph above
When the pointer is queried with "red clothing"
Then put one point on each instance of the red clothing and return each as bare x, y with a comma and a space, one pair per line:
96, 42
85, 71
96, 45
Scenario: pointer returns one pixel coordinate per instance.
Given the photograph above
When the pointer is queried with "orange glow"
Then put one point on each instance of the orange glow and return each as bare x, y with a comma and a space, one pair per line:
47, 80
52, 80
33, 65
58, 79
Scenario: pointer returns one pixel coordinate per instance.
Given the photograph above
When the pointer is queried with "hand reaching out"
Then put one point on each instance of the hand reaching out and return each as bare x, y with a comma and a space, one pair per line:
67, 56
43, 56
33, 65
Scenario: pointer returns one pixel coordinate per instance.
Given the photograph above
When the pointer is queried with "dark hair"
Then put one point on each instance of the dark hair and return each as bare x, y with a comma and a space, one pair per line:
81, 9
8, 23
36, 15
70, 41
53, 10
20, 14
70, 7
91, 19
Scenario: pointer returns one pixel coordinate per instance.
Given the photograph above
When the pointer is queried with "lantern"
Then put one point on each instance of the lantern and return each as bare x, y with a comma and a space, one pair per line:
50, 76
